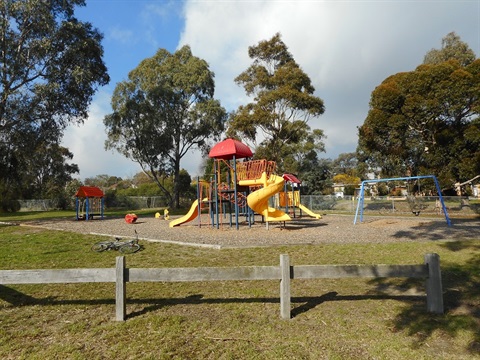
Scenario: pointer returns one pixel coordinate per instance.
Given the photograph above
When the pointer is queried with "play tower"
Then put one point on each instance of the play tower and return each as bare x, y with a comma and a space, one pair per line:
237, 182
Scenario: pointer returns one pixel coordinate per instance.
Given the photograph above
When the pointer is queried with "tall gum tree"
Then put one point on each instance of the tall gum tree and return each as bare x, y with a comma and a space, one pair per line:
426, 121
283, 103
164, 109
50, 67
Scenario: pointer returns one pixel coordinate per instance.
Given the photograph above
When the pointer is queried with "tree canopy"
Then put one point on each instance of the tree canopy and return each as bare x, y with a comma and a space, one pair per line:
426, 121
452, 48
164, 109
283, 103
50, 67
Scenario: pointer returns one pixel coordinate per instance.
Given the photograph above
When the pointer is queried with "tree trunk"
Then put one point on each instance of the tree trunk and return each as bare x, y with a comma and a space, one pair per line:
176, 184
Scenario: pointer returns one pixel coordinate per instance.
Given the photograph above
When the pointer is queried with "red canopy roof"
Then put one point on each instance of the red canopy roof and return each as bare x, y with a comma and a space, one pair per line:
229, 148
291, 178
89, 191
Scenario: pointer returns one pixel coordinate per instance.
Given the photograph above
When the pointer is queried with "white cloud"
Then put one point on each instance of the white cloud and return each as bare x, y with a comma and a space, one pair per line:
120, 35
87, 141
164, 10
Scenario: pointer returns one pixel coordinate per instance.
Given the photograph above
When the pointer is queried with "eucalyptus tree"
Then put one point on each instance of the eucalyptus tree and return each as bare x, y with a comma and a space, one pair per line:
50, 67
283, 103
346, 163
164, 109
426, 121
452, 48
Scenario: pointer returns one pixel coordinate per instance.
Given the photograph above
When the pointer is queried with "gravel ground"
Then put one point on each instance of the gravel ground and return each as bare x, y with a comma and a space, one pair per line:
299, 231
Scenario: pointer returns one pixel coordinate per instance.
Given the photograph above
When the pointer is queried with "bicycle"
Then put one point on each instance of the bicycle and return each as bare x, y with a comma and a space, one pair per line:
125, 247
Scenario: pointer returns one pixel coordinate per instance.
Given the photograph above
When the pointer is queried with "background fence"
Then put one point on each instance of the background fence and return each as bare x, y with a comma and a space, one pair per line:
383, 205
379, 205
120, 275
38, 205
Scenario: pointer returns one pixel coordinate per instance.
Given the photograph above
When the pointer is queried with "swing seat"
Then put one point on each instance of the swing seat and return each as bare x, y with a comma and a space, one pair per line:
416, 205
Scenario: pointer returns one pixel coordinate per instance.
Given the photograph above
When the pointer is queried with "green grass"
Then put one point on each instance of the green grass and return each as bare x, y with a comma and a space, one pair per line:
332, 318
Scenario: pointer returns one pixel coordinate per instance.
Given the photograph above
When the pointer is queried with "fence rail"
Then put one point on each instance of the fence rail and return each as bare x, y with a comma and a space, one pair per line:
120, 275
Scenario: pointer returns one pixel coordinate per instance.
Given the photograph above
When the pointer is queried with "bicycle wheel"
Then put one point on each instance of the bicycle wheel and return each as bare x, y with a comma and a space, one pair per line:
129, 248
100, 246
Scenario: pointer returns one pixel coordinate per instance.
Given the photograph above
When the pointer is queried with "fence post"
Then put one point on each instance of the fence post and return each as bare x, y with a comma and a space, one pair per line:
434, 284
285, 287
120, 289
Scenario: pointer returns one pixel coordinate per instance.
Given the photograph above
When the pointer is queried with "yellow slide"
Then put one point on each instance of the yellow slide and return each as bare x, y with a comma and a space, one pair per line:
294, 198
258, 200
309, 212
192, 214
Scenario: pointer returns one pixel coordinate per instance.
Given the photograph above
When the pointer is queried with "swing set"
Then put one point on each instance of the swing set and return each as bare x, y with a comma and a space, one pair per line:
414, 201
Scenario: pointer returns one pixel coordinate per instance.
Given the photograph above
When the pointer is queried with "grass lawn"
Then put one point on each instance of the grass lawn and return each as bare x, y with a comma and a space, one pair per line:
332, 318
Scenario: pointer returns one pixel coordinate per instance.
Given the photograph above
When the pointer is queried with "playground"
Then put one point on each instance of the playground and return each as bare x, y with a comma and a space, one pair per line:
331, 318
244, 188
332, 229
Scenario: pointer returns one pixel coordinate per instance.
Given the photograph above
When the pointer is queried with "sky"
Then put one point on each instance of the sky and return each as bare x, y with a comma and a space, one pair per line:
346, 47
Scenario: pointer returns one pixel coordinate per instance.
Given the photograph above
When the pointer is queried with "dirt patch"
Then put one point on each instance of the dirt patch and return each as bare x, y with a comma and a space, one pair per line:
299, 231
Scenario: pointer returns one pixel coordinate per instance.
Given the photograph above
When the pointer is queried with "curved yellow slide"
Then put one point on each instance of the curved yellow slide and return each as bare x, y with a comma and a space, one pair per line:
192, 214
258, 200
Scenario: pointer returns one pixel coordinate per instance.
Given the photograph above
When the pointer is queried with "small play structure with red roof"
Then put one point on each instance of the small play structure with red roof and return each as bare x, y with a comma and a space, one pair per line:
248, 186
89, 202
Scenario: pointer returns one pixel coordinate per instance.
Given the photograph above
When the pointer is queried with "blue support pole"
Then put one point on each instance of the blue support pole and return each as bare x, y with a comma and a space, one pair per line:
87, 208
199, 199
210, 201
77, 205
360, 203
444, 208
235, 190
217, 216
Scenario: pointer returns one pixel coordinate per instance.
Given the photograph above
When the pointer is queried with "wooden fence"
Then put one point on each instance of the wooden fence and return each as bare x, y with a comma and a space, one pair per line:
120, 275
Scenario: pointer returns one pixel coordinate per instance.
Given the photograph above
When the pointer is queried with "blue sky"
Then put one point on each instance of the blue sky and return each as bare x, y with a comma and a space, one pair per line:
346, 47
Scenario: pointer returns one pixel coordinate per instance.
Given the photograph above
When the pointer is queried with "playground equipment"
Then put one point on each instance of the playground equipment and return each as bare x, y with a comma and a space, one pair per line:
191, 215
258, 200
459, 186
203, 192
131, 218
89, 202
291, 199
242, 183
412, 202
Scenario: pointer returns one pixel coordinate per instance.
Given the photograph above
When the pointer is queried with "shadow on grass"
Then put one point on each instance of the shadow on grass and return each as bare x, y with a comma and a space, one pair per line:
461, 297
438, 230
300, 304
461, 285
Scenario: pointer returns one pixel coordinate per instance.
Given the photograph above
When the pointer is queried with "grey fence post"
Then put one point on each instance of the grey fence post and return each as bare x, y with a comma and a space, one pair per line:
434, 284
285, 287
120, 290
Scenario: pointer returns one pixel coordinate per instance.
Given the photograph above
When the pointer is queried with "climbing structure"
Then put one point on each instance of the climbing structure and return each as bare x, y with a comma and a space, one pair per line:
247, 185
227, 152
89, 202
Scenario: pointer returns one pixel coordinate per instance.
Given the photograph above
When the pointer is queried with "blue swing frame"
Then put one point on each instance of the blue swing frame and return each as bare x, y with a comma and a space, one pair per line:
362, 194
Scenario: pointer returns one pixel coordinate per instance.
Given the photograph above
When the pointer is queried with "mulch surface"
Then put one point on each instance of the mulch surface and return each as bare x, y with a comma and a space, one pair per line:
299, 231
